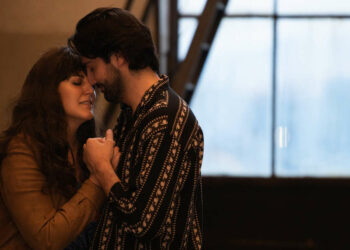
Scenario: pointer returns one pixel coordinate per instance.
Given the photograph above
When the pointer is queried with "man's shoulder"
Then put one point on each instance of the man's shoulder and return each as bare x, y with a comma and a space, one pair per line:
167, 110
168, 105
157, 108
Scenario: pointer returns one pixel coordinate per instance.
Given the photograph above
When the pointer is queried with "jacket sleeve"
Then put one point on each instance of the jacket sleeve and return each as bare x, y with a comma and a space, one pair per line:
42, 225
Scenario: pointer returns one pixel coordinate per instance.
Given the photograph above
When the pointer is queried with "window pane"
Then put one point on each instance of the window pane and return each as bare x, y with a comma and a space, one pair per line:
250, 7
233, 99
313, 6
313, 137
194, 7
187, 28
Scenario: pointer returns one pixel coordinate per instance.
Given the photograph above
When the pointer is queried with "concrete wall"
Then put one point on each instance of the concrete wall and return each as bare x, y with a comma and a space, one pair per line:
30, 27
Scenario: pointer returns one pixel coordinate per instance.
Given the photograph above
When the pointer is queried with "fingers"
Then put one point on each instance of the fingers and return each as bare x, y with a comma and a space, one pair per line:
103, 139
116, 151
115, 158
109, 135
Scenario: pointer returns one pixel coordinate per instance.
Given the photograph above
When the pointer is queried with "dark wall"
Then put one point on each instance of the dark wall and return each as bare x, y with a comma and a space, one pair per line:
249, 213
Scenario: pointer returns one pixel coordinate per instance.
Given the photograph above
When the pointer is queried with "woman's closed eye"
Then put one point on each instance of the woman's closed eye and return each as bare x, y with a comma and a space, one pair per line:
76, 80
77, 83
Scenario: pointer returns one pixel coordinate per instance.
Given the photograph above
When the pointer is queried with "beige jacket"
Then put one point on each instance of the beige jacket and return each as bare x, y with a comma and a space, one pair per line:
31, 219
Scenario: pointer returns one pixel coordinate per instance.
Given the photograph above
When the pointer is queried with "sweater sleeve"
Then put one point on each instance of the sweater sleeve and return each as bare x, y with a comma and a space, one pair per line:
41, 224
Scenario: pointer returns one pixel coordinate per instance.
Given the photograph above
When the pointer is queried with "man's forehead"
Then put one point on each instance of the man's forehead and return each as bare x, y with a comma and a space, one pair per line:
86, 60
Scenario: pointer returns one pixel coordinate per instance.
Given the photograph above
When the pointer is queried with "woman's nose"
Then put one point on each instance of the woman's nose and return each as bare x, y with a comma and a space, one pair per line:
88, 88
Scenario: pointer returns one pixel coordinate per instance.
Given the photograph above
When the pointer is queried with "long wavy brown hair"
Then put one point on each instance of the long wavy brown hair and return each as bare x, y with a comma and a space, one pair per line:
39, 116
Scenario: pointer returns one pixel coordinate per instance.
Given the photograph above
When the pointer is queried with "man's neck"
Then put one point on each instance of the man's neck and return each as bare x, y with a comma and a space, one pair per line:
136, 84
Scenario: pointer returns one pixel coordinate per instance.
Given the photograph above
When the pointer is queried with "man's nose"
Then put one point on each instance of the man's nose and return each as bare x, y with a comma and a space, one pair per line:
91, 78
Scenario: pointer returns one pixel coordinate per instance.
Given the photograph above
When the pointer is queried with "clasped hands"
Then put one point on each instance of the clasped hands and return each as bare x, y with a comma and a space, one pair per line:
102, 158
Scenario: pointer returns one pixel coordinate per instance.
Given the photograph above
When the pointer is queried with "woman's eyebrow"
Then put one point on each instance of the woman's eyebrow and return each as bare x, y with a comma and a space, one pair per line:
79, 75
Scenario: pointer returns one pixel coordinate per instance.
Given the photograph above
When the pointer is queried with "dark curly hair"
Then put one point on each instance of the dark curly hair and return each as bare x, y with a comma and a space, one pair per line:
39, 116
105, 31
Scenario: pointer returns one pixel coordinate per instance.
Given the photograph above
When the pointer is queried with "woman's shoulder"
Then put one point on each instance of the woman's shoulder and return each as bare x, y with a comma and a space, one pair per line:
20, 143
19, 158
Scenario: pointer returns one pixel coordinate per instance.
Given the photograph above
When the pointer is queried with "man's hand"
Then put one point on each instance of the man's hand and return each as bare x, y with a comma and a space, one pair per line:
98, 151
115, 158
102, 158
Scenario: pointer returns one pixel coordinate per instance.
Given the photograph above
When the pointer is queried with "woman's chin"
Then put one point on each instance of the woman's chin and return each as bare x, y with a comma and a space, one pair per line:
89, 117
86, 118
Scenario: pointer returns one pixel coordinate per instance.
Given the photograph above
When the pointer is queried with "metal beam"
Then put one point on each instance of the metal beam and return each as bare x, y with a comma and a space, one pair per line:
128, 4
172, 62
186, 78
147, 10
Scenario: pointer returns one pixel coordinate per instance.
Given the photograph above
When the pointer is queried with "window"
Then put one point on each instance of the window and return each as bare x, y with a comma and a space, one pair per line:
273, 97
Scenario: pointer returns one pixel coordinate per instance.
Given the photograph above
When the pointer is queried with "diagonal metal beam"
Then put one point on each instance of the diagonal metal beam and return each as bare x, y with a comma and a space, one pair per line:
147, 10
172, 62
128, 4
186, 78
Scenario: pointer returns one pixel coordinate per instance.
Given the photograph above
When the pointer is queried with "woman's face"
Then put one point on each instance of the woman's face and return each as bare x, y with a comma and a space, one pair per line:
78, 99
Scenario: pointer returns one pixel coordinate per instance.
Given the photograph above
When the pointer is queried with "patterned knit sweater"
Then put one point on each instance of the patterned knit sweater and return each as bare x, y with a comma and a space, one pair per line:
158, 203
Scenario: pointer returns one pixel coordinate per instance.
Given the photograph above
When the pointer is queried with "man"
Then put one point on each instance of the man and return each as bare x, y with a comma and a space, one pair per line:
154, 197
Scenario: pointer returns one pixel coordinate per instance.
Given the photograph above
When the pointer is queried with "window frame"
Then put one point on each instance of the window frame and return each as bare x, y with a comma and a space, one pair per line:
173, 62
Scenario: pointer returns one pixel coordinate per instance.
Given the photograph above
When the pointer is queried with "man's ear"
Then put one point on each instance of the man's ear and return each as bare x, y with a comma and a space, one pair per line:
117, 60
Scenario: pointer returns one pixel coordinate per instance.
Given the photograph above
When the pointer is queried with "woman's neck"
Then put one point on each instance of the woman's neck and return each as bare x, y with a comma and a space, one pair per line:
72, 129
73, 153
72, 140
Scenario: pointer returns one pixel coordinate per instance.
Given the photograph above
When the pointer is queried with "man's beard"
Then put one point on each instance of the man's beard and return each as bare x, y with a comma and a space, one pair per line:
113, 86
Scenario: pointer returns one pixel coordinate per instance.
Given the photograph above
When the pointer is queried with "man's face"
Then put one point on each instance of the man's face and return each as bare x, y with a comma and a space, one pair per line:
106, 77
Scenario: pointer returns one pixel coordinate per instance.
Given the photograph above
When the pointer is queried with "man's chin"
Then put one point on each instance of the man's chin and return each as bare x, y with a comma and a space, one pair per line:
111, 99
102, 89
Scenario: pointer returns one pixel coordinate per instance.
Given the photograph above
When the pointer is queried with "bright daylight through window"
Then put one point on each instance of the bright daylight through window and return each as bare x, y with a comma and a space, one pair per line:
274, 94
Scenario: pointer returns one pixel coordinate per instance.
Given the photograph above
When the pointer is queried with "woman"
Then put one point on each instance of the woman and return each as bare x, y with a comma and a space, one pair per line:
48, 197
